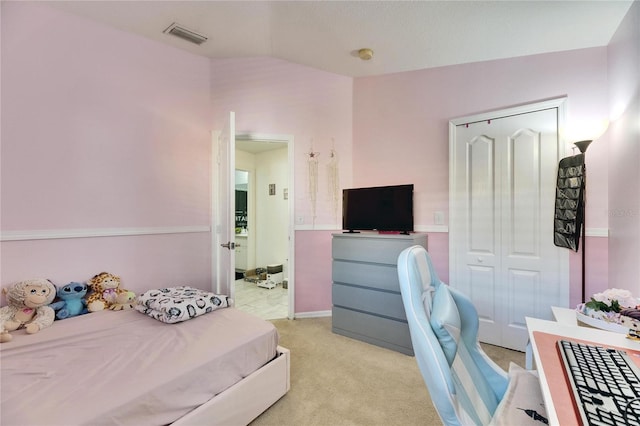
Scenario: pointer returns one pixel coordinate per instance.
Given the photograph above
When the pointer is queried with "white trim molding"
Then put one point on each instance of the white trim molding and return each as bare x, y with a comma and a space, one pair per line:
597, 232
55, 234
329, 227
590, 232
309, 227
432, 228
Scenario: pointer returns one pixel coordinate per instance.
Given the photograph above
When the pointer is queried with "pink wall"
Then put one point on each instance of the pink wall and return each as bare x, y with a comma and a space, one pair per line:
401, 129
313, 271
624, 158
142, 262
102, 132
277, 97
405, 117
400, 134
596, 269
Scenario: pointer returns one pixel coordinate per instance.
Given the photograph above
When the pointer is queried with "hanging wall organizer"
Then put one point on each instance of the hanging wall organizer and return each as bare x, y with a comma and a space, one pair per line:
569, 208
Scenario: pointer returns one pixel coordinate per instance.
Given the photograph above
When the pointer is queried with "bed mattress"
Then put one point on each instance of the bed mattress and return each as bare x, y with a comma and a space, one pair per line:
124, 367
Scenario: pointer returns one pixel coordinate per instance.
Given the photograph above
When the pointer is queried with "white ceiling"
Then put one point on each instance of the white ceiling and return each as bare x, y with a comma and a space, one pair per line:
257, 146
404, 35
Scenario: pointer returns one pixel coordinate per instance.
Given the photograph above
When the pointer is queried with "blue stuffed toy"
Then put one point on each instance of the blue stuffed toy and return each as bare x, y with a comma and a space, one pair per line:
72, 301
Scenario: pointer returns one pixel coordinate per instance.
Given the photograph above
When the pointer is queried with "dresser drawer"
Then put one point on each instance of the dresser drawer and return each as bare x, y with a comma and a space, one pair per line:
381, 277
372, 329
372, 249
380, 303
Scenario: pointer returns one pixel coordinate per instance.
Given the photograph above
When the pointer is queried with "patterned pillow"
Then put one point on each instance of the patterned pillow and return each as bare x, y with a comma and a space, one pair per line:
177, 304
522, 403
445, 322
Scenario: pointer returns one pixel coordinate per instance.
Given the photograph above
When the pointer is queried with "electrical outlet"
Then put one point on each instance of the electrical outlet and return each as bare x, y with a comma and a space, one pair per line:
438, 218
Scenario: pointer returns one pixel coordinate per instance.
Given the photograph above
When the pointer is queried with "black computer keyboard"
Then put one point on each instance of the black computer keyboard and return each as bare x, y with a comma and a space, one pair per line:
605, 383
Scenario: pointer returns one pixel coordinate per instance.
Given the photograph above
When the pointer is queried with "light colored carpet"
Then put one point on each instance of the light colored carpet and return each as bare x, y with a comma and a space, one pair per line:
340, 381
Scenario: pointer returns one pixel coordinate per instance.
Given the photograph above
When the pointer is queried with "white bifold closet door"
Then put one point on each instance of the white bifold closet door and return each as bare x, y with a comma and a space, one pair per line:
502, 194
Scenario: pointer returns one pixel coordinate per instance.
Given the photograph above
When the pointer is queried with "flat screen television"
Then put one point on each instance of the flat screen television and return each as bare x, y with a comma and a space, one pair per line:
381, 208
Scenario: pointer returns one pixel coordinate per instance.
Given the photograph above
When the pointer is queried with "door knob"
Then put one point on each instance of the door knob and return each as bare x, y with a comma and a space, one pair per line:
229, 245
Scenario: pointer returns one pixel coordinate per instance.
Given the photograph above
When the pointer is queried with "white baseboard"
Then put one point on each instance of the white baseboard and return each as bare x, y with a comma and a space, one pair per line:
316, 314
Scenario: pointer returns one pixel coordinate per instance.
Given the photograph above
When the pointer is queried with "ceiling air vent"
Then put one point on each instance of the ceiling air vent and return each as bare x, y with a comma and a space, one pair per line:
185, 34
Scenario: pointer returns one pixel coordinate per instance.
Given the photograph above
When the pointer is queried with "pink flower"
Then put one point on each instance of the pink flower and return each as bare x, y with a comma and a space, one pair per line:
623, 297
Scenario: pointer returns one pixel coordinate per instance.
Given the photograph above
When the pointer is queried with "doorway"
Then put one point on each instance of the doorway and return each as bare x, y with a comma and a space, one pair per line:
503, 169
242, 224
263, 232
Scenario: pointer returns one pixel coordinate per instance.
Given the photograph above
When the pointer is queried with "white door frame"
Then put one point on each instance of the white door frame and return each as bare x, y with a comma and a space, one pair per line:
560, 104
288, 139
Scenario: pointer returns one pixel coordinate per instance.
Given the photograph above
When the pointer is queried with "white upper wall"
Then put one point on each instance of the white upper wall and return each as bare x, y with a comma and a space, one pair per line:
624, 155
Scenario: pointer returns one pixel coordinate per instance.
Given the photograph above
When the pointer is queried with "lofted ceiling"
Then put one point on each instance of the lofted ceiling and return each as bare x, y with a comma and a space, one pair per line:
404, 35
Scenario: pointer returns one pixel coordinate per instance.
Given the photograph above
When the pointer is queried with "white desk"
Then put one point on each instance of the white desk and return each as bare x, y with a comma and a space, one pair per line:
566, 316
548, 366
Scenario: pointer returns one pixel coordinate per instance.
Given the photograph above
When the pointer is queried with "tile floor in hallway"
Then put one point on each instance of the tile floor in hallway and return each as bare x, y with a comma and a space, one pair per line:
263, 302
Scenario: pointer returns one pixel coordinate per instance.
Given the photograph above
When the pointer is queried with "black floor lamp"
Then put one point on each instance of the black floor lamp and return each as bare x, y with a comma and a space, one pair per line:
582, 146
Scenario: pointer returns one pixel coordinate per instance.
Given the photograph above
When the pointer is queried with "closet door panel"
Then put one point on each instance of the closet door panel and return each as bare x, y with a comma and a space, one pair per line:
530, 262
523, 192
481, 192
476, 242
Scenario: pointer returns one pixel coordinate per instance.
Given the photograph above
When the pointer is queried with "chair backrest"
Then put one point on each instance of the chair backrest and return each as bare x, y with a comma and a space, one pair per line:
464, 383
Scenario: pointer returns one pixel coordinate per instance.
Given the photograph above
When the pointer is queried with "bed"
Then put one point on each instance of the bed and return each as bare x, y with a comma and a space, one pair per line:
124, 367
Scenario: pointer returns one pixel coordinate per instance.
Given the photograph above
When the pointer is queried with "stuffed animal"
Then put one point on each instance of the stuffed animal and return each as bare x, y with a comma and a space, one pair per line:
107, 294
27, 307
72, 302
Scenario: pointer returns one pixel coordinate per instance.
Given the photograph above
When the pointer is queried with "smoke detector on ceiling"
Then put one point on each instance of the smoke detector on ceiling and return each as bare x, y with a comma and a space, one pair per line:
185, 34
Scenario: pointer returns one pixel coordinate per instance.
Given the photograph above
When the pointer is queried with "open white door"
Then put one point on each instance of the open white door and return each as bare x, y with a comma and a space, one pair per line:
224, 207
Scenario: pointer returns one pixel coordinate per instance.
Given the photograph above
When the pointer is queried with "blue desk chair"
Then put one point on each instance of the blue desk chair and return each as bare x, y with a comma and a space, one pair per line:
465, 385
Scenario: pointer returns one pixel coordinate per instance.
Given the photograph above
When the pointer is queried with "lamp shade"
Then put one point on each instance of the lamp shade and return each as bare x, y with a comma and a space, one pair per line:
583, 145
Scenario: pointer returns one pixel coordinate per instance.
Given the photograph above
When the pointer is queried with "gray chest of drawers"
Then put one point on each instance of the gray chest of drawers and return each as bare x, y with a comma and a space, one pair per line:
367, 304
